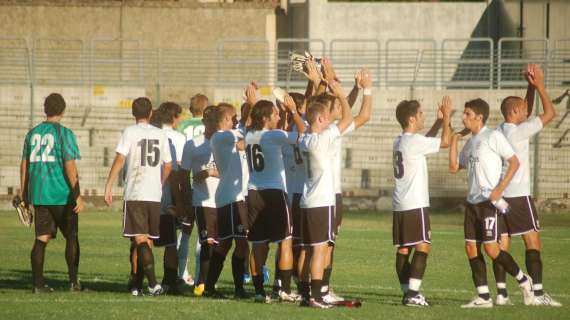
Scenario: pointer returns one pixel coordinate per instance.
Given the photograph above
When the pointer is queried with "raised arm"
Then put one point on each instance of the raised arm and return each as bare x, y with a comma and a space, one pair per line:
536, 78
365, 81
529, 97
500, 188
454, 165
353, 95
118, 164
347, 118
314, 78
446, 109
289, 104
73, 180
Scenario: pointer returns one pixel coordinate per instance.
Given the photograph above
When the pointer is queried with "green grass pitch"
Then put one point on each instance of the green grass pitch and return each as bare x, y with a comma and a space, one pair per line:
364, 269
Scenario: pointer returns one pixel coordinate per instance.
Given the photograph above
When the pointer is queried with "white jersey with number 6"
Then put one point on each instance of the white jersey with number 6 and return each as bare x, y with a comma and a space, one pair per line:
318, 150
146, 149
410, 170
265, 158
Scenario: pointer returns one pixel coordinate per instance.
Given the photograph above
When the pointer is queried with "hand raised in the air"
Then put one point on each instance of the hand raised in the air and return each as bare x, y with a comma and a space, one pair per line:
365, 78
311, 72
328, 71
251, 93
445, 108
289, 104
336, 89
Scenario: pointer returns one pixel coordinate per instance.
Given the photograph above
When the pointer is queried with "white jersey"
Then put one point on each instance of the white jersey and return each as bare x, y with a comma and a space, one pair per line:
317, 150
243, 157
228, 162
410, 170
337, 159
197, 157
146, 150
483, 156
176, 141
519, 137
265, 158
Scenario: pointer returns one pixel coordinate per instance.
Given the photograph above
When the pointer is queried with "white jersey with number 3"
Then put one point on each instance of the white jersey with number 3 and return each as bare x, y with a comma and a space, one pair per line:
519, 137
317, 150
146, 149
265, 158
410, 170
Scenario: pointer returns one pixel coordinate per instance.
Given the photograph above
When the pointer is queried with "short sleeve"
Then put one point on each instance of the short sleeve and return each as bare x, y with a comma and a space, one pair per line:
321, 140
283, 137
349, 129
26, 148
526, 129
124, 145
70, 148
187, 156
427, 145
499, 144
166, 150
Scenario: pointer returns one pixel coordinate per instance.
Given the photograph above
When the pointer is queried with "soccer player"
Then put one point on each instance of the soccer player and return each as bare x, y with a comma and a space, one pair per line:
269, 215
482, 156
49, 181
232, 212
363, 79
318, 199
172, 204
522, 218
197, 160
144, 150
410, 199
191, 128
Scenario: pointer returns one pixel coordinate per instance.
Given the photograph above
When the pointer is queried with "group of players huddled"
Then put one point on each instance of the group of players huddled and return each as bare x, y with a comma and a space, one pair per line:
274, 175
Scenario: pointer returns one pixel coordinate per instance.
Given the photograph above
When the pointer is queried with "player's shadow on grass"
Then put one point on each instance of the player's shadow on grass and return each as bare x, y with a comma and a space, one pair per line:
21, 279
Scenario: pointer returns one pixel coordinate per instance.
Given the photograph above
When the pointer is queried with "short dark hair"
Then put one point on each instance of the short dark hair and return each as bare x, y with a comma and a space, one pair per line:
479, 107
54, 105
405, 110
314, 110
142, 107
220, 112
169, 111
508, 105
156, 119
209, 116
324, 98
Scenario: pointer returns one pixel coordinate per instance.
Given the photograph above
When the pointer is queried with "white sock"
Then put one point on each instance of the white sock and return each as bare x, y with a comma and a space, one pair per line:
483, 289
415, 284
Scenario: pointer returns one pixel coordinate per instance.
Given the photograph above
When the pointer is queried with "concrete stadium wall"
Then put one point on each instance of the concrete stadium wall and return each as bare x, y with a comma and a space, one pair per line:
166, 24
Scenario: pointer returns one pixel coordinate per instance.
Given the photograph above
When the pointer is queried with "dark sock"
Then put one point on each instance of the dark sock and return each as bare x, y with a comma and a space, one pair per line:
72, 258
479, 274
327, 278
37, 259
145, 254
214, 271
403, 268
316, 286
417, 270
500, 278
509, 264
204, 262
258, 284
534, 269
238, 269
170, 272
136, 278
304, 289
285, 276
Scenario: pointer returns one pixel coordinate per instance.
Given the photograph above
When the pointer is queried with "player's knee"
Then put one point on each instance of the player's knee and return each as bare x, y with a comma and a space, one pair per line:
532, 241
423, 247
492, 249
404, 250
44, 238
140, 240
471, 249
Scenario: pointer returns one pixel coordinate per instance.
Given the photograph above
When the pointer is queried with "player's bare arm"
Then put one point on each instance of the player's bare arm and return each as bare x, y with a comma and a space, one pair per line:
24, 181
73, 179
446, 108
502, 185
536, 79
116, 167
454, 165
314, 78
166, 172
347, 118
364, 79
292, 109
530, 90
353, 94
